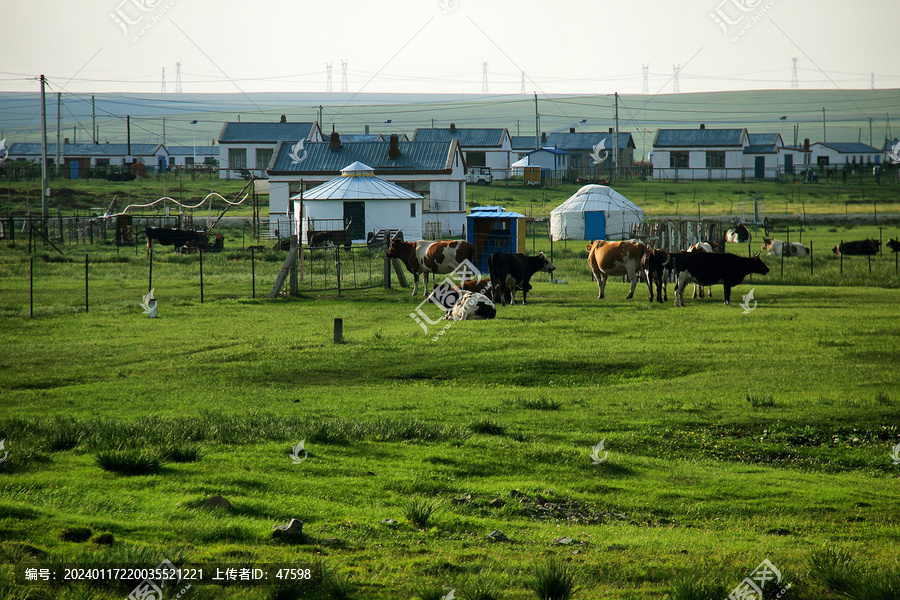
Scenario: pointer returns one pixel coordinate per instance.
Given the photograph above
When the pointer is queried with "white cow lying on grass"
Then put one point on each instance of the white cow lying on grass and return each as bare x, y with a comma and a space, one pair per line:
472, 306
779, 248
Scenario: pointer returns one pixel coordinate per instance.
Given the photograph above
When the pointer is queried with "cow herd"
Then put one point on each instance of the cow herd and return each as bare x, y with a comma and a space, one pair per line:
701, 264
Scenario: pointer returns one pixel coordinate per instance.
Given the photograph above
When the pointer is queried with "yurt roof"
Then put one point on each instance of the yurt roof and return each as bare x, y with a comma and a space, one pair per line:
596, 197
358, 182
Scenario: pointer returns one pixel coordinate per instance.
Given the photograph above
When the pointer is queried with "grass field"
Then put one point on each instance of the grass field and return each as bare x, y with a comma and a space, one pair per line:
731, 437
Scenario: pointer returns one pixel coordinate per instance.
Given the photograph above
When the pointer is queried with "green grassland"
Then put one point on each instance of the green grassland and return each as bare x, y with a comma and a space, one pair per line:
731, 437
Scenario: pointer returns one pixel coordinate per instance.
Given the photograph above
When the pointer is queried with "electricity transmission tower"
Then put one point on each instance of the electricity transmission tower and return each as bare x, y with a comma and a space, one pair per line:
178, 88
328, 86
163, 81
645, 88
795, 80
484, 79
676, 69
344, 87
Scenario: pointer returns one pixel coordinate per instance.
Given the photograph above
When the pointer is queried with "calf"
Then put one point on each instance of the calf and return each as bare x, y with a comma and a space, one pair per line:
472, 306
858, 248
711, 268
894, 245
779, 248
447, 294
514, 271
615, 258
654, 263
337, 237
431, 257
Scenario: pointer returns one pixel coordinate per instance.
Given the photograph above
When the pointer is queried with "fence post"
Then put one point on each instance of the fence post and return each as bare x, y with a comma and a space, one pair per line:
86, 307
201, 275
337, 267
31, 289
253, 269
150, 283
387, 262
842, 257
810, 258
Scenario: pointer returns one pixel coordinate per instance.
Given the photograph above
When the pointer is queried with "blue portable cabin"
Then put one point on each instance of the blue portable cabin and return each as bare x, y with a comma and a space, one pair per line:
492, 228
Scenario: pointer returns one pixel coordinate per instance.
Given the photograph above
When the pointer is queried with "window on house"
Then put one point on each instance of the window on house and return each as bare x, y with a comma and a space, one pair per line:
263, 156
678, 160
715, 160
412, 210
476, 159
237, 158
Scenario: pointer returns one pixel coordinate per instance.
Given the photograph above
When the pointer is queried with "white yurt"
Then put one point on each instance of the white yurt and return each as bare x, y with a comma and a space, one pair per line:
595, 212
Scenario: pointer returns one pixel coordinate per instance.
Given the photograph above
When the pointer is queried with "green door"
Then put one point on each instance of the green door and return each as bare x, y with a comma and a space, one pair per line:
355, 219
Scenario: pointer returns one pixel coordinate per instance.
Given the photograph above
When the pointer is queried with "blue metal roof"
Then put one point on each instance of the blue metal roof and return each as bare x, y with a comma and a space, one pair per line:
320, 159
585, 141
496, 212
468, 138
264, 133
850, 147
75, 150
189, 150
522, 142
550, 150
688, 138
763, 139
761, 149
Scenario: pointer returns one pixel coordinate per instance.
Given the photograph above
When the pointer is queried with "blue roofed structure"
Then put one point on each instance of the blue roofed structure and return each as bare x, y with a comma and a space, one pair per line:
482, 147
248, 147
583, 146
700, 153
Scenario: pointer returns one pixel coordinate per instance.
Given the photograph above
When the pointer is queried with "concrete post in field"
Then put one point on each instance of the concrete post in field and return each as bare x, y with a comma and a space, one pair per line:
338, 331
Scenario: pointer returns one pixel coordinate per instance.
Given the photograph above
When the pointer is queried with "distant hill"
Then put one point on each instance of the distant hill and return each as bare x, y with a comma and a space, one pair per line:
847, 113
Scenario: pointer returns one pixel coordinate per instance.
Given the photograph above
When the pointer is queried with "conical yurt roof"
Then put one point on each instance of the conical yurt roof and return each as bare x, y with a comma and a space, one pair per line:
358, 182
567, 219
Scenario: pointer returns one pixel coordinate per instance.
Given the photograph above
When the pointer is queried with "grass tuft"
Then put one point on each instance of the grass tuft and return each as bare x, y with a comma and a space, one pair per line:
75, 534
127, 462
834, 569
486, 427
695, 588
419, 512
539, 403
760, 400
182, 453
552, 580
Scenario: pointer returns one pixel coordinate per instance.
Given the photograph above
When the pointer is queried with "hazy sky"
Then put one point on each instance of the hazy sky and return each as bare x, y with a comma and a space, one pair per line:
565, 46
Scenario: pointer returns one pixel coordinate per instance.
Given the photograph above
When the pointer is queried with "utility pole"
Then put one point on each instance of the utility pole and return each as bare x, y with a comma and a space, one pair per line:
824, 139
58, 133
45, 200
164, 131
537, 124
320, 117
128, 137
93, 119
870, 131
616, 141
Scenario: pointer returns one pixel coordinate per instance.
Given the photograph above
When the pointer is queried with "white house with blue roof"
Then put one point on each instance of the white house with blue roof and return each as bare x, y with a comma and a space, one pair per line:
434, 170
699, 153
481, 147
844, 154
78, 158
248, 147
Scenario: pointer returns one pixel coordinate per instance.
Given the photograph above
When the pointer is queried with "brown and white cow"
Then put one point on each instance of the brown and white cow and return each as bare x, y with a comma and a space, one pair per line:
779, 248
425, 257
615, 258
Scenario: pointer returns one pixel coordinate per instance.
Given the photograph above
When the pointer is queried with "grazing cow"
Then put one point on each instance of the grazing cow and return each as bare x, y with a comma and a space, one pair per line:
177, 237
739, 235
707, 268
779, 248
858, 248
472, 306
700, 247
338, 237
615, 258
191, 247
894, 245
510, 272
654, 264
431, 257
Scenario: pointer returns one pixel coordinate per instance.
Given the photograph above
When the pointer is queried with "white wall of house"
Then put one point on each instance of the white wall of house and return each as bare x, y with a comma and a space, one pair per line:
696, 166
839, 159
380, 214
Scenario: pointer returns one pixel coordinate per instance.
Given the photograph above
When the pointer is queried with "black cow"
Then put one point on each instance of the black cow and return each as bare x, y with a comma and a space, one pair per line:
654, 265
337, 237
177, 237
706, 268
894, 245
858, 248
512, 271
